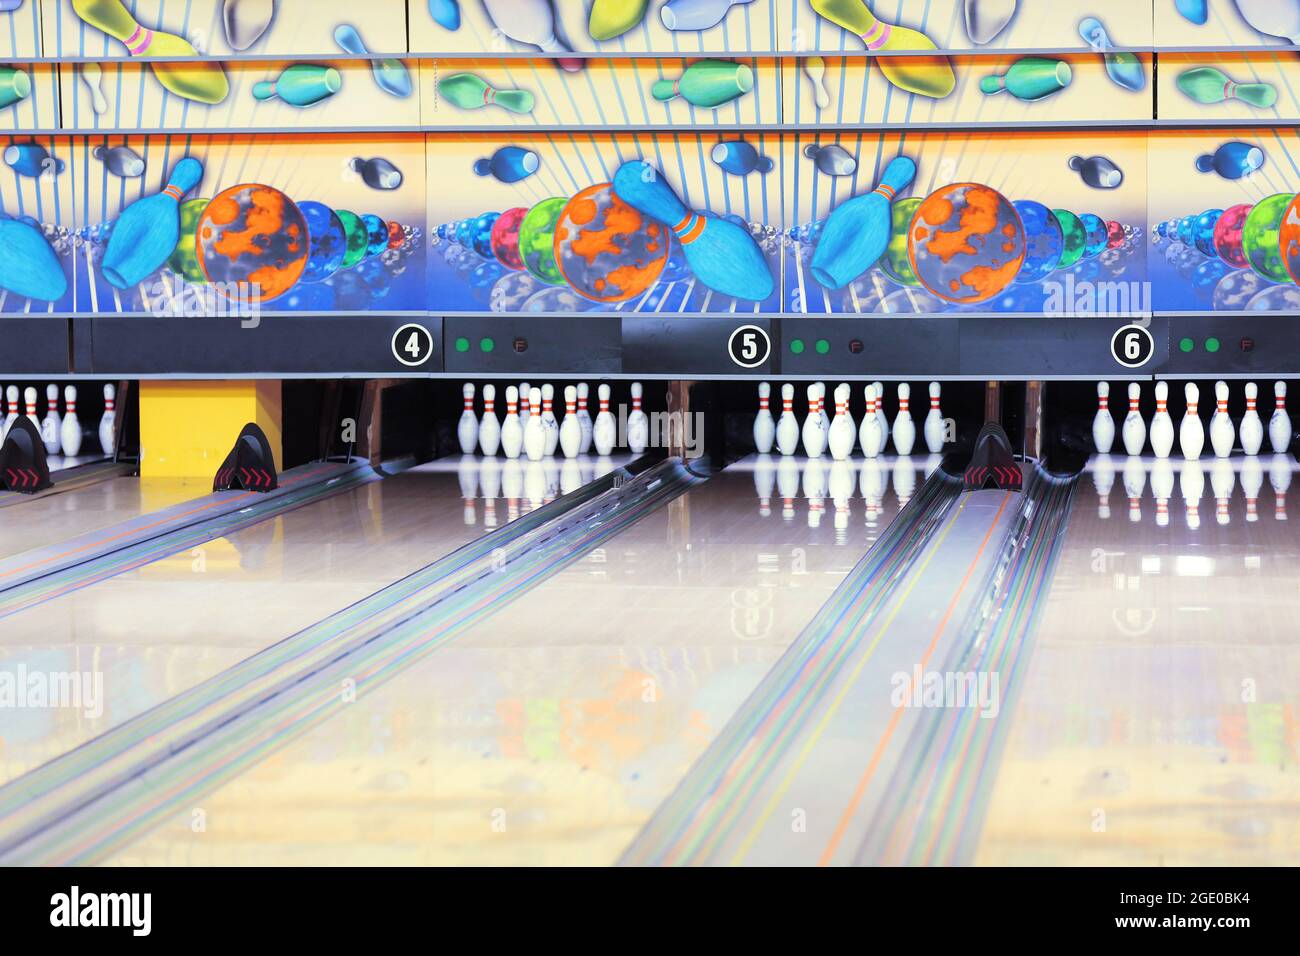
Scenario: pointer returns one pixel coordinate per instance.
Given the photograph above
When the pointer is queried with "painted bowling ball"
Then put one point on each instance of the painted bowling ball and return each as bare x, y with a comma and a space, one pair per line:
480, 233
1073, 237
1185, 231
537, 240
966, 243
1044, 241
1289, 239
505, 238
358, 237
895, 262
608, 251
376, 234
1261, 237
1115, 235
1203, 232
396, 234
1227, 235
184, 260
1235, 289
327, 241
256, 234
1094, 234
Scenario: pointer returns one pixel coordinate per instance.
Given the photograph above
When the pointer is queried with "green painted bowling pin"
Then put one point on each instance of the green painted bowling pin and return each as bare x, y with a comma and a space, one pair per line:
1205, 84
471, 92
1030, 78
707, 83
15, 85
612, 18
304, 84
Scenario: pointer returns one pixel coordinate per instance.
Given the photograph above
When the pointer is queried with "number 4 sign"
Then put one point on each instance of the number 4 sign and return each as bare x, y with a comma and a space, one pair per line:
412, 345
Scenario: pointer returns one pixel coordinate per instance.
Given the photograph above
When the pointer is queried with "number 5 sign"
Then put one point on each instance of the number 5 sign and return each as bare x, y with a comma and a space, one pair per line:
749, 346
1132, 346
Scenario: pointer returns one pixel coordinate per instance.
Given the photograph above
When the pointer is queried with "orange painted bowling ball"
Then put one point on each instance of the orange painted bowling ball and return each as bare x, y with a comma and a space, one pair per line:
966, 242
253, 234
606, 250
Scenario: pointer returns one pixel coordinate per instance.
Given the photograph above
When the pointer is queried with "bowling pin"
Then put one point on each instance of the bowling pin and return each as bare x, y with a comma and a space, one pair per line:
1030, 78
534, 430
1222, 481
549, 424
28, 264
1278, 18
832, 159
740, 158
92, 74
1279, 425
108, 422
604, 430
881, 417
1134, 429
11, 400
1162, 489
1252, 429
1124, 69
303, 84
390, 74
120, 160
722, 255
193, 79
1252, 479
1222, 434
376, 172
840, 438
870, 435
70, 429
764, 426
904, 432
1097, 171
468, 91
246, 20
1162, 426
985, 19
1135, 479
707, 84
146, 231
926, 76
1103, 426
446, 13
489, 427
584, 418
814, 431
512, 432
857, 231
29, 399
814, 67
613, 18
638, 425
1234, 160
570, 430
821, 407
1191, 433
1279, 476
467, 427
1103, 480
935, 427
1209, 85
1194, 11
696, 14
50, 426
531, 22
525, 405
787, 426
1191, 485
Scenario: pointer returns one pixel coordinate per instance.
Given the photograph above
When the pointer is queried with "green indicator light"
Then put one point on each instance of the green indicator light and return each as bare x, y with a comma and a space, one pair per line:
1211, 345
823, 346
486, 345
1186, 345
462, 344
797, 346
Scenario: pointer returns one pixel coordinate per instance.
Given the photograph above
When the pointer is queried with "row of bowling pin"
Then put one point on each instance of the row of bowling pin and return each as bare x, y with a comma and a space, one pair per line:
1191, 433
839, 435
61, 434
530, 424
1191, 486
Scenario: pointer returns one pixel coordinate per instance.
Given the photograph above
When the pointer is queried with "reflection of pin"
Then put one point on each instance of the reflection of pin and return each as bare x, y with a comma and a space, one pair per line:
120, 160
1206, 84
814, 67
509, 164
303, 84
377, 173
92, 74
390, 74
985, 19
1279, 476
531, 22
1191, 485
469, 91
1124, 69
246, 21
1097, 171
1103, 480
1232, 160
1222, 480
833, 160
696, 14
1135, 479
739, 158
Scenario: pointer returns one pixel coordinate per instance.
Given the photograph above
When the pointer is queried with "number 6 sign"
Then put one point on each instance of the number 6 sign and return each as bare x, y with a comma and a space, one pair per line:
1132, 346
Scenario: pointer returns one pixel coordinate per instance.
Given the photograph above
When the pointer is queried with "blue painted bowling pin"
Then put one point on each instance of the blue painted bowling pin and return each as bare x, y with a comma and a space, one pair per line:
696, 14
722, 255
146, 231
858, 230
509, 164
1124, 69
390, 74
739, 158
1232, 160
28, 265
1194, 11
32, 159
445, 13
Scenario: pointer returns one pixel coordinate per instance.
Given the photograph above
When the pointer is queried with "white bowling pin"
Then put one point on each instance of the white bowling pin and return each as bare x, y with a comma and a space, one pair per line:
1251, 430
814, 67
512, 432
11, 399
570, 430
108, 421
1252, 479
50, 426
70, 430
1191, 433
1135, 479
467, 427
787, 427
489, 428
881, 417
93, 75
904, 432
1222, 434
525, 403
1279, 425
1134, 429
549, 424
1162, 426
584, 418
246, 21
985, 19
1103, 426
764, 426
1222, 480
695, 14
934, 425
638, 426
814, 432
841, 435
30, 397
527, 21
604, 430
821, 406
534, 430
870, 435
1279, 476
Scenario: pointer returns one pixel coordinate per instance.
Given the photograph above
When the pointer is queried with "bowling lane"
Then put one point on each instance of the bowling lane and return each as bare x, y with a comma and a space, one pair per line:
149, 633
550, 732
1159, 719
